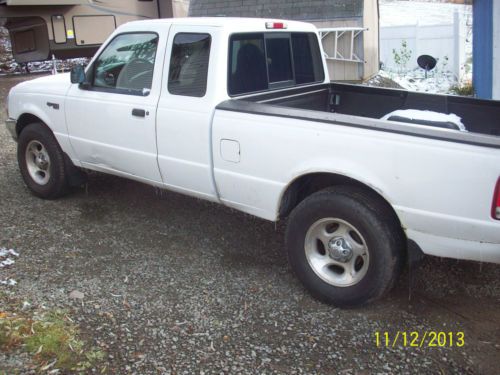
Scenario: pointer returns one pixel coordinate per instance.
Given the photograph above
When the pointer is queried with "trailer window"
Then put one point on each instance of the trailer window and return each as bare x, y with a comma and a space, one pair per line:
24, 41
189, 64
264, 61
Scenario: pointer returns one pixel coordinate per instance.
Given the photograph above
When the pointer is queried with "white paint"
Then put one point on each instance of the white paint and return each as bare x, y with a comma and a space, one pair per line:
230, 150
441, 195
496, 50
400, 12
103, 131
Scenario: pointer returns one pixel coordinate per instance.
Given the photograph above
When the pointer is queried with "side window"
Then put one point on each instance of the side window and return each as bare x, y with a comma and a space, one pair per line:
263, 61
189, 64
127, 63
248, 72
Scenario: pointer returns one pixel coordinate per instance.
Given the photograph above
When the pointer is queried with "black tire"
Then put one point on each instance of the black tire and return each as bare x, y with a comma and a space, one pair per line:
381, 237
56, 184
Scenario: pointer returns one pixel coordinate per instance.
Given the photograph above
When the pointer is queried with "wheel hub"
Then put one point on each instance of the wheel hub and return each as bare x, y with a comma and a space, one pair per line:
340, 250
41, 162
38, 162
337, 252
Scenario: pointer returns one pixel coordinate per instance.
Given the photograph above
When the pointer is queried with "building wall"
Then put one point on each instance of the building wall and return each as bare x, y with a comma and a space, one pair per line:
371, 39
321, 13
496, 50
292, 9
180, 8
340, 70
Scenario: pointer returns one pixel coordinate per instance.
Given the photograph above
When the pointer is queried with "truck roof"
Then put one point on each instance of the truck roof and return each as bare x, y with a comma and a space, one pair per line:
237, 24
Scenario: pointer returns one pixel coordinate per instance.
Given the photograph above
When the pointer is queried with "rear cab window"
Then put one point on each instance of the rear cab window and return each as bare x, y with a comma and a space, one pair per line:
272, 60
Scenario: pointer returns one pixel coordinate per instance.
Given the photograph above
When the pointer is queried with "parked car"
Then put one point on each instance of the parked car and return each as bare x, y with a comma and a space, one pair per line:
242, 112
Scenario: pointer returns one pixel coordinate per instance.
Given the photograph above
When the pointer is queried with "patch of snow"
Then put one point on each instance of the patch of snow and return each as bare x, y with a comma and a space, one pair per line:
5, 261
415, 114
4, 252
9, 282
415, 80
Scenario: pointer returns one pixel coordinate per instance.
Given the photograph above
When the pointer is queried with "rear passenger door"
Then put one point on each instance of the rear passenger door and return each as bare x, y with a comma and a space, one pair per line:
185, 110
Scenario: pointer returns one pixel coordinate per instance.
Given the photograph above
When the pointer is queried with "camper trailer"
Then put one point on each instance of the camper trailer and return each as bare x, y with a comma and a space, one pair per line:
74, 28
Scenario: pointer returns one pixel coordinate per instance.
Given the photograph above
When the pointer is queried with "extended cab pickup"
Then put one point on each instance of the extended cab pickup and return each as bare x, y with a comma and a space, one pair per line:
242, 112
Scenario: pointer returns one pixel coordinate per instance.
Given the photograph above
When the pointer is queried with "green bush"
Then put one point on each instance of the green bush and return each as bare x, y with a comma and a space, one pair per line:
463, 89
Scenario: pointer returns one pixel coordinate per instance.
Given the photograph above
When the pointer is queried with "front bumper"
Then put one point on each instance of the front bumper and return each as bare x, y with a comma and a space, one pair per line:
11, 127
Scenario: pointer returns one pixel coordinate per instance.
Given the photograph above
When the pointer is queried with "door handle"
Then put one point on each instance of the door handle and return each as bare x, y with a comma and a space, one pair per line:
139, 112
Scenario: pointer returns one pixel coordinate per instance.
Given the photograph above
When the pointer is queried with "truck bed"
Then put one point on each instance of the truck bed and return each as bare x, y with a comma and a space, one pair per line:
478, 116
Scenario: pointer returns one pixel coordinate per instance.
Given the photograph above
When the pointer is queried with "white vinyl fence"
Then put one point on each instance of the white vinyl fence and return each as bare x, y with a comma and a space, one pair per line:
450, 43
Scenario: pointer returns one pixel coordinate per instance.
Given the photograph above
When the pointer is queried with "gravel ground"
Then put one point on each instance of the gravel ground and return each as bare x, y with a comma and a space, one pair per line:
174, 285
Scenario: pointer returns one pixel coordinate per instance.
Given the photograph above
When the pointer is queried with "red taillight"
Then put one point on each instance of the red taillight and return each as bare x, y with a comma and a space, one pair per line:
495, 209
275, 25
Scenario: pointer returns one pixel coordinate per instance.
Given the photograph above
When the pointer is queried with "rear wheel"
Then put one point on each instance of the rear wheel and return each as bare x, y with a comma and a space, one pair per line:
41, 162
345, 245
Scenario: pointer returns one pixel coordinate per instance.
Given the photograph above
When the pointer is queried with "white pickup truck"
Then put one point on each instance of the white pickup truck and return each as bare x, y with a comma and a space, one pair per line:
242, 112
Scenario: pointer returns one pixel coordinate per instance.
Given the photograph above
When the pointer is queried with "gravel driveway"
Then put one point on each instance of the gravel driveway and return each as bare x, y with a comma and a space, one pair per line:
175, 285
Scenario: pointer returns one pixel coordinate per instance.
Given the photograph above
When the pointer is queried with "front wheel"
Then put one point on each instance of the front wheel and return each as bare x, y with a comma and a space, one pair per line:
41, 162
345, 245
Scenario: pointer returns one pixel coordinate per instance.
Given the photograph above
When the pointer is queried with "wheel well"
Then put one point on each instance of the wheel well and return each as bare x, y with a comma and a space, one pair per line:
24, 120
75, 176
309, 184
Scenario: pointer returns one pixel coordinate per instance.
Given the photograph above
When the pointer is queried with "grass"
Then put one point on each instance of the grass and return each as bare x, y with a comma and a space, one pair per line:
463, 89
51, 338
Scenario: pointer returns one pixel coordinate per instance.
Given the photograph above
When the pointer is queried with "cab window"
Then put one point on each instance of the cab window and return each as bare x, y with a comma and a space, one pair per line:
266, 61
189, 64
126, 65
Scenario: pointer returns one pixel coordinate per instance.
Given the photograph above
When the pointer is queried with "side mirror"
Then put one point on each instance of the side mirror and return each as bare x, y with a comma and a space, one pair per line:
78, 74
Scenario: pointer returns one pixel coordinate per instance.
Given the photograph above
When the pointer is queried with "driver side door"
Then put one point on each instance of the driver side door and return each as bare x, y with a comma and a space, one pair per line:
111, 118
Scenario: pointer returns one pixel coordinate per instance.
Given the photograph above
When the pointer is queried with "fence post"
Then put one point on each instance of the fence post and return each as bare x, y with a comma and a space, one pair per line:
456, 45
416, 51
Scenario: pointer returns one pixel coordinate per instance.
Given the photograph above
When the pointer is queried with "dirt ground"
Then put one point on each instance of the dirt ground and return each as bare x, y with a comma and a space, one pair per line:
174, 285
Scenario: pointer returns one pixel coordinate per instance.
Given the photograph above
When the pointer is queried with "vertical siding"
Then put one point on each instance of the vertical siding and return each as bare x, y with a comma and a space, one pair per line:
371, 39
496, 50
340, 70
483, 48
